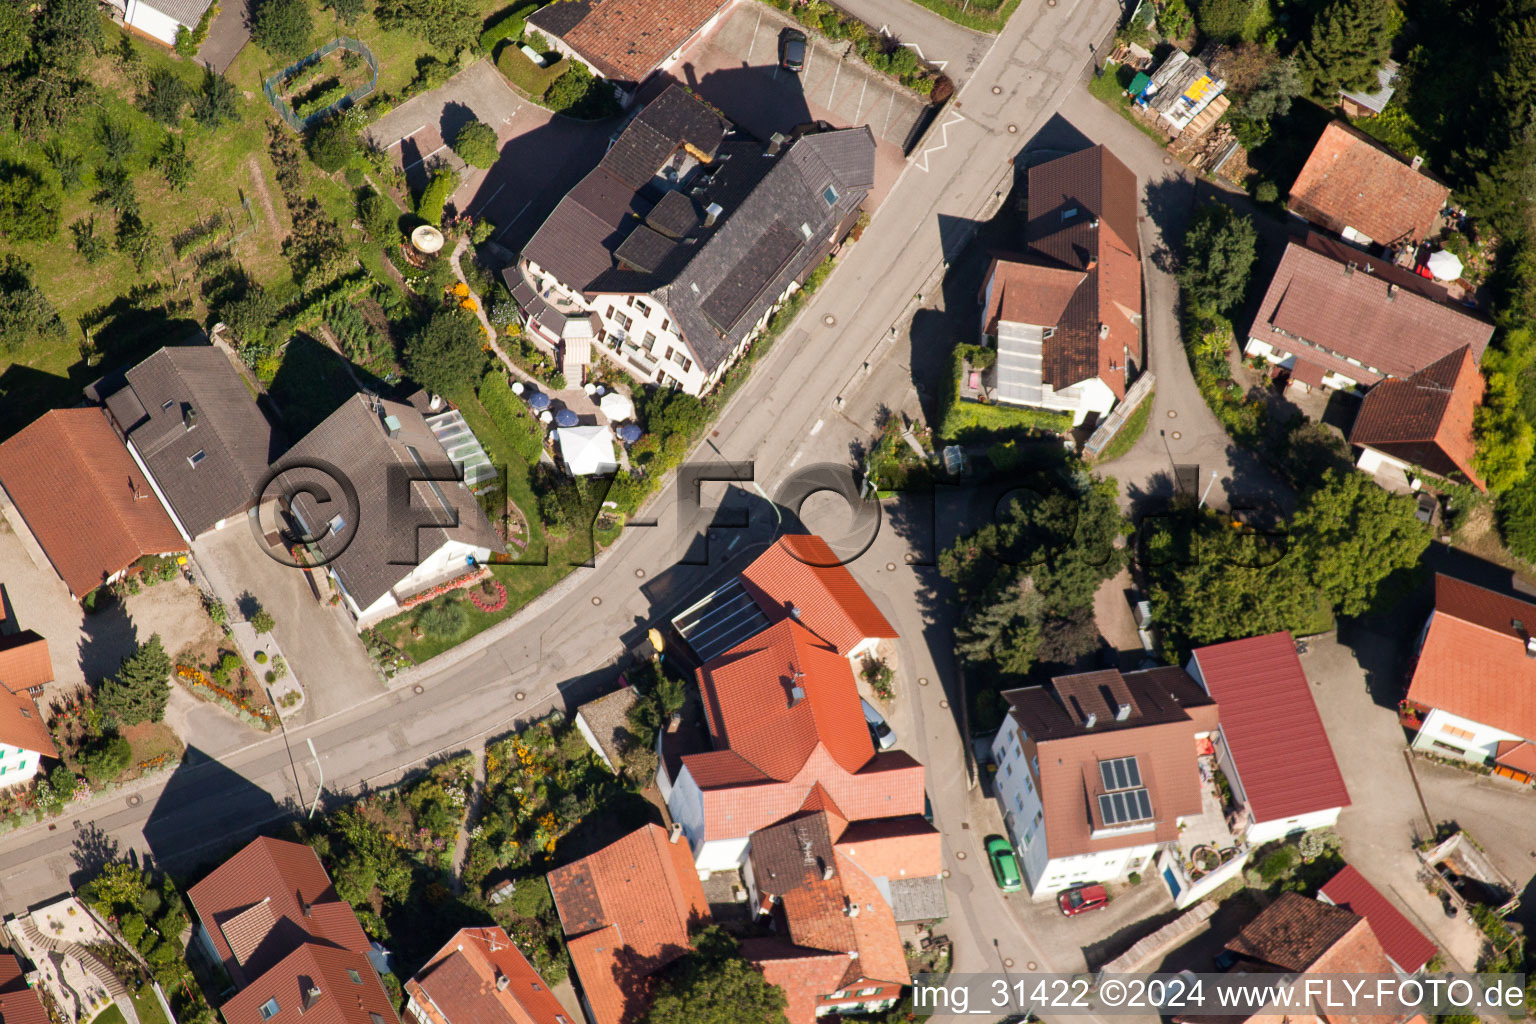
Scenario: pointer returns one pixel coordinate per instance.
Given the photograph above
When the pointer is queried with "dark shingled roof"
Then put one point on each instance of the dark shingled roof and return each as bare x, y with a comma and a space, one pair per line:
645, 249
1293, 932
674, 216
386, 544
196, 384
1060, 708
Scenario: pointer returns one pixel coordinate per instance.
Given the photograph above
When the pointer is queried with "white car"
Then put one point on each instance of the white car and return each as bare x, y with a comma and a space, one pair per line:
879, 731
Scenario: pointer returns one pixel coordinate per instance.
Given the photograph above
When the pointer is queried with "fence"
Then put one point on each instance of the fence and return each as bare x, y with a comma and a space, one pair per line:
293, 120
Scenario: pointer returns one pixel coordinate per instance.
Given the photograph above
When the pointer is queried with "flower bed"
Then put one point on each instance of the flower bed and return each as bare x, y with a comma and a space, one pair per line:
457, 583
492, 602
200, 684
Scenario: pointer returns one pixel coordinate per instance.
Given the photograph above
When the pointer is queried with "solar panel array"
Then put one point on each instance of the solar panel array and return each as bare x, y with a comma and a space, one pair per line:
1120, 773
1125, 807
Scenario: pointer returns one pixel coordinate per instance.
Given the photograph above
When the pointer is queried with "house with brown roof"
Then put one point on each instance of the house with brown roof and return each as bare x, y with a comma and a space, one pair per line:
25, 668
91, 509
628, 911
193, 427
1408, 949
1095, 771
1354, 187
19, 1002
1423, 422
1270, 742
676, 249
480, 977
1066, 317
1335, 316
292, 948
627, 41
408, 523
1473, 688
835, 892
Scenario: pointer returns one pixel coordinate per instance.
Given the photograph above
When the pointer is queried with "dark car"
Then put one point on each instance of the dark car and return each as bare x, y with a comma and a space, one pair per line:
792, 50
1083, 898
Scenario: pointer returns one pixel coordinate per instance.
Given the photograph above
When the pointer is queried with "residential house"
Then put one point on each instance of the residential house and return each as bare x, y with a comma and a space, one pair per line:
1423, 422
25, 665
1336, 316
1270, 743
1369, 102
192, 426
783, 716
480, 977
627, 41
834, 893
89, 506
1180, 90
1095, 771
1473, 685
604, 724
291, 947
1354, 187
1407, 949
627, 912
19, 1002
1066, 318
413, 523
24, 736
673, 252
159, 20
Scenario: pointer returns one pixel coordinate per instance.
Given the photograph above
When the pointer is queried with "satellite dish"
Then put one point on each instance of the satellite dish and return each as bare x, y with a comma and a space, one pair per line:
427, 239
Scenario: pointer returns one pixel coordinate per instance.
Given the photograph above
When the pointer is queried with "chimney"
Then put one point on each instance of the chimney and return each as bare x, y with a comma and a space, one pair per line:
1090, 720
1349, 269
502, 981
311, 997
675, 721
1103, 330
712, 213
794, 613
775, 144
188, 417
436, 404
852, 909
392, 427
674, 833
827, 873
1530, 647
1416, 163
1391, 293
1122, 712
796, 695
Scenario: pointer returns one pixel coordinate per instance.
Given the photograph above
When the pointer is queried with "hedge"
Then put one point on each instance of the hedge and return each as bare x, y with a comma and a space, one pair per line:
435, 196
966, 421
506, 25
527, 76
512, 417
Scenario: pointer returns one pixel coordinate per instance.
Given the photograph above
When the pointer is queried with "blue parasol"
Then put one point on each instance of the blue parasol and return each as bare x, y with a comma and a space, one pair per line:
566, 418
538, 401
628, 433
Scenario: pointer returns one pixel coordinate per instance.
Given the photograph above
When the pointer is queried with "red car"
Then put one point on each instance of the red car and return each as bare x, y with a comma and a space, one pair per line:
1082, 899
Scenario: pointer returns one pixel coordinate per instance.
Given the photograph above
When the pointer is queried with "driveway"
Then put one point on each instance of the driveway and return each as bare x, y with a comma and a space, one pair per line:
227, 36
542, 154
737, 69
957, 50
36, 599
319, 640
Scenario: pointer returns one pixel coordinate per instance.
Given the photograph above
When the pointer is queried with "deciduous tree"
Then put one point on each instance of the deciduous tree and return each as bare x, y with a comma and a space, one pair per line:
715, 985
1351, 535
25, 312
282, 27
449, 24
29, 206
445, 354
476, 144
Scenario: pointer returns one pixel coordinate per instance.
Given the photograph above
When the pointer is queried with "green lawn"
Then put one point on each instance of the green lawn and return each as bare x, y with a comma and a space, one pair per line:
1130, 432
1110, 88
147, 1007
111, 1015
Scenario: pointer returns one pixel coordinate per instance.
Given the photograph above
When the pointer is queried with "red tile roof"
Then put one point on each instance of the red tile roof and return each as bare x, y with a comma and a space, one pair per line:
1517, 754
906, 847
22, 725
1271, 726
83, 498
318, 984
1426, 420
1389, 319
1473, 663
1029, 293
751, 704
627, 911
625, 39
461, 983
801, 572
1294, 932
19, 1004
1350, 180
805, 975
24, 661
1405, 944
267, 900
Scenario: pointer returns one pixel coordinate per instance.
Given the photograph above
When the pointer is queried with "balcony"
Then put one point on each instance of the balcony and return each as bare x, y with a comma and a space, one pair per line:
637, 355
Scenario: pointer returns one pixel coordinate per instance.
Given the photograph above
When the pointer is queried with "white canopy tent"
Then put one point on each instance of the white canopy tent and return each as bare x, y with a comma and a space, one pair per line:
587, 451
616, 407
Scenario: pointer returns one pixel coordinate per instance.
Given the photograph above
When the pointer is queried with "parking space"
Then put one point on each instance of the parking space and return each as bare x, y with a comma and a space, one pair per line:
319, 640
736, 69
542, 154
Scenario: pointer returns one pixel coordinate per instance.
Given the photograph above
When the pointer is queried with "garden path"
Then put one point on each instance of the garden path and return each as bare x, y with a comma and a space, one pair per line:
471, 812
490, 332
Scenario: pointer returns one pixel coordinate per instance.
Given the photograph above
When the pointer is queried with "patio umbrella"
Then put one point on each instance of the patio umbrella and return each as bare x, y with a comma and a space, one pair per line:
1445, 266
566, 418
545, 416
616, 407
628, 433
589, 388
517, 387
538, 401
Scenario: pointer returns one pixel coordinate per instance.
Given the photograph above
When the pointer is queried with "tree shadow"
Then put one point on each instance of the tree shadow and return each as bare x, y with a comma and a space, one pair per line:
247, 604
107, 637
92, 850
454, 117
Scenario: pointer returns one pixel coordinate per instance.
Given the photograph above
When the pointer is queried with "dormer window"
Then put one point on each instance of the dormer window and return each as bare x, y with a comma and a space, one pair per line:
197, 457
269, 1009
1069, 213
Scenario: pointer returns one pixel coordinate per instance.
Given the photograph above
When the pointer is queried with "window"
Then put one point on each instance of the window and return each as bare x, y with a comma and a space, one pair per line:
535, 985
610, 311
26, 713
1038, 816
666, 324
1029, 783
625, 321
1434, 743
866, 991
839, 994
1069, 213
1008, 770
377, 1018
22, 766
1018, 802
357, 979
1461, 734
629, 300
830, 195
269, 1009
650, 339
685, 363
337, 524
670, 350
805, 229
1120, 773
1034, 763
643, 308
196, 456
167, 406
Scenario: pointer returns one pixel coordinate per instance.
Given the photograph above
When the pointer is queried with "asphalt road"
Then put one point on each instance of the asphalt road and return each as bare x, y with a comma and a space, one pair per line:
790, 414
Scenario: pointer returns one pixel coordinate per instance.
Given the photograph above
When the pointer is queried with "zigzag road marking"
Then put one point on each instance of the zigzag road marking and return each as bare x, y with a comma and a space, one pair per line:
922, 161
940, 64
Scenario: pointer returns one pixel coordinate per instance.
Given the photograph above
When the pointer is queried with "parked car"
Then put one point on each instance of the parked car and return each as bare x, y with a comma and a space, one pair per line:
792, 50
1005, 866
879, 729
1082, 898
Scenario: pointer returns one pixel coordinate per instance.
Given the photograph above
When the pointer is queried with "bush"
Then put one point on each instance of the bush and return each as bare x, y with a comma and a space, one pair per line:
443, 619
261, 657
282, 27
29, 206
1516, 516
512, 417
429, 206
164, 96
578, 93
527, 76
106, 760
476, 144
262, 622
331, 144
506, 25
1277, 864
380, 217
